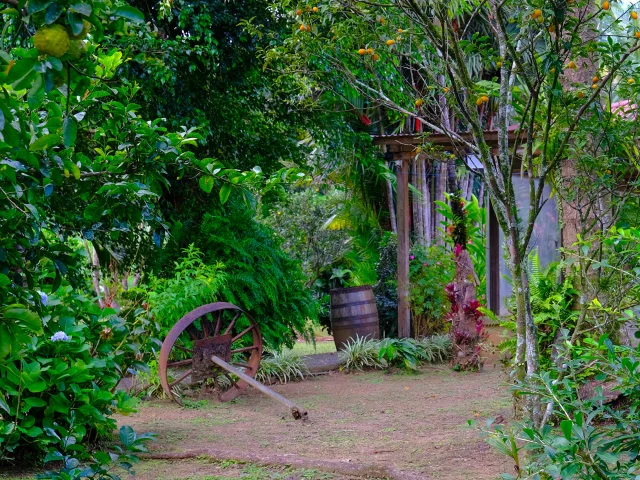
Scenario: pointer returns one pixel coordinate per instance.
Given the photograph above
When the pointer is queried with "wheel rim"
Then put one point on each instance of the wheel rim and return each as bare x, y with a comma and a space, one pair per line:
221, 329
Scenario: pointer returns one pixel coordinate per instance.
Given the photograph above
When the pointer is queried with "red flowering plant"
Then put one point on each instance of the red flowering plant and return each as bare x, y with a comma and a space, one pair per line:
467, 325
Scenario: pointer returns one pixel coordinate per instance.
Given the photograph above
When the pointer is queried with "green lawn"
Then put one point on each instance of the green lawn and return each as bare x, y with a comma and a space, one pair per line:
309, 348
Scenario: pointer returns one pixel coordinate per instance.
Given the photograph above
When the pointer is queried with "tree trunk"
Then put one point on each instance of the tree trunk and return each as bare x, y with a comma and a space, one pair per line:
426, 201
392, 208
95, 272
417, 202
441, 183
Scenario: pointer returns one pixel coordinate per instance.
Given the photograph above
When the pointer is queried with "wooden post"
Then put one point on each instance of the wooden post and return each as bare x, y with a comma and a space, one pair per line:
402, 175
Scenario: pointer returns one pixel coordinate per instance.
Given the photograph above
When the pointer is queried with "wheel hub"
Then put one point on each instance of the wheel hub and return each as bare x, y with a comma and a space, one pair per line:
203, 367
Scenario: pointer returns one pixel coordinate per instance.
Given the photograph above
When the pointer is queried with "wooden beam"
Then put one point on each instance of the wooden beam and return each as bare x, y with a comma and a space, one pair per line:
404, 316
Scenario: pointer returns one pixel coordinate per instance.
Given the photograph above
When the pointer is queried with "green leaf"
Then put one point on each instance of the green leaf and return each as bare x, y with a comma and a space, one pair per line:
81, 8
35, 402
25, 317
206, 183
44, 142
4, 406
93, 212
35, 6
53, 13
566, 426
6, 342
129, 13
225, 191
75, 22
37, 386
4, 280
127, 436
69, 131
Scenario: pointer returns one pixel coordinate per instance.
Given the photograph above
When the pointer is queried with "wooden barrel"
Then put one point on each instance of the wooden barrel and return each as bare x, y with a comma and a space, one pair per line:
353, 314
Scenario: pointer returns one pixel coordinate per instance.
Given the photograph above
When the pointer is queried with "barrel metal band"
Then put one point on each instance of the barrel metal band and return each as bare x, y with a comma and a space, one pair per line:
350, 318
354, 304
350, 327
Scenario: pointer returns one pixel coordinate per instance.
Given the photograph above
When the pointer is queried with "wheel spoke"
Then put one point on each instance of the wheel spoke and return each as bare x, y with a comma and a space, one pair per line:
184, 349
193, 332
179, 363
242, 365
231, 380
217, 330
185, 375
207, 325
246, 330
232, 323
245, 349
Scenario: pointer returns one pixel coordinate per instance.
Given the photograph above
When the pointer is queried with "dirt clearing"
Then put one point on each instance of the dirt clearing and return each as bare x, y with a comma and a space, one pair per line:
365, 425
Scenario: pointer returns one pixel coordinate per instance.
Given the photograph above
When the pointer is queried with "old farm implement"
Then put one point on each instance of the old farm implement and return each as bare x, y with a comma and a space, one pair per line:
217, 342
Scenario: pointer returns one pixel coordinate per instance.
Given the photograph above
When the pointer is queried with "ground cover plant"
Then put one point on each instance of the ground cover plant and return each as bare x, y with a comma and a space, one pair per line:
404, 353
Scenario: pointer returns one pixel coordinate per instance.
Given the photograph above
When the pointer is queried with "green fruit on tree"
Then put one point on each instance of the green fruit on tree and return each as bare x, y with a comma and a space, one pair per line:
86, 28
77, 49
52, 40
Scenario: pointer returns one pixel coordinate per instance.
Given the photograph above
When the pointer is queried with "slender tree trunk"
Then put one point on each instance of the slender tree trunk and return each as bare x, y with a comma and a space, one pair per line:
441, 183
426, 201
95, 272
417, 202
392, 208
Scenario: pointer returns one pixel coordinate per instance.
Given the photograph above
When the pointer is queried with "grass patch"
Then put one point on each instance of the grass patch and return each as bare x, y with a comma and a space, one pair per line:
302, 348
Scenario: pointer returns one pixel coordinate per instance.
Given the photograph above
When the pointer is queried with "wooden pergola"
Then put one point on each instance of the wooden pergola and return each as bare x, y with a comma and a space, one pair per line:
401, 149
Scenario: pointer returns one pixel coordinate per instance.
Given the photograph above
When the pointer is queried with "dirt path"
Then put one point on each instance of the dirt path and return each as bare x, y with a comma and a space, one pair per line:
415, 424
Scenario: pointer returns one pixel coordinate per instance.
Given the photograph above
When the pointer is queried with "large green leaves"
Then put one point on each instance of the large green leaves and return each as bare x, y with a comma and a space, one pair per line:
17, 324
130, 13
69, 131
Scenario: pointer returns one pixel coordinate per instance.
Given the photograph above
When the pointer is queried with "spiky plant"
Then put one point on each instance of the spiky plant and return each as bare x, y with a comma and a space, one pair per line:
281, 367
361, 353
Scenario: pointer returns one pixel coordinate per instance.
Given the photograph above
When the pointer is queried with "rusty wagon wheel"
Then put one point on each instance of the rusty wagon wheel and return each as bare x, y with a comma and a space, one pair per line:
220, 329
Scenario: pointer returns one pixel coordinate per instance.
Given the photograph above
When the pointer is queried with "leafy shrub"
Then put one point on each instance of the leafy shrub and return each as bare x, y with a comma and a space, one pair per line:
194, 284
386, 289
475, 224
303, 221
436, 348
591, 435
282, 366
401, 352
430, 270
361, 353
407, 353
552, 301
58, 388
100, 465
258, 276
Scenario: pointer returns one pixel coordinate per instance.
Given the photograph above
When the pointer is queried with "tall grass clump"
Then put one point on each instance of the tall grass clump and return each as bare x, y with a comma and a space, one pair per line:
361, 353
281, 367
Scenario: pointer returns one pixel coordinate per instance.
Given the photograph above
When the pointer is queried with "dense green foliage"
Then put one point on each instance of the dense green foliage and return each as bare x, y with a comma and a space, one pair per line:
431, 269
58, 388
593, 437
257, 275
